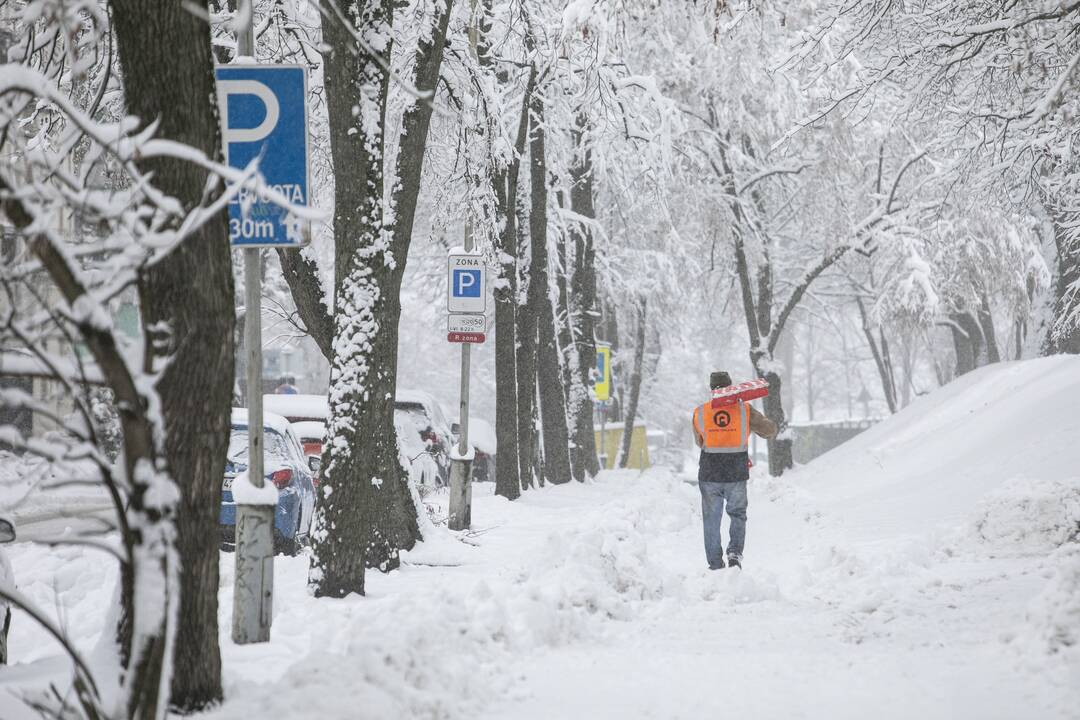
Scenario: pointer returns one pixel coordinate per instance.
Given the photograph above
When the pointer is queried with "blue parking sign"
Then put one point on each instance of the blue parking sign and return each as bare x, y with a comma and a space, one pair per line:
264, 115
467, 283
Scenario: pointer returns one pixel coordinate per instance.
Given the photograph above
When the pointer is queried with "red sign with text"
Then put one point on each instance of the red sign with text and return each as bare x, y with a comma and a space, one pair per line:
466, 337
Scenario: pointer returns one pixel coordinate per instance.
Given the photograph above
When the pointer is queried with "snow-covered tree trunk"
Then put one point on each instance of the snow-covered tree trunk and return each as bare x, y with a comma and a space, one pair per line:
556, 467
187, 305
508, 477
881, 361
635, 384
507, 470
967, 342
527, 313
366, 514
301, 274
528, 437
1064, 332
582, 299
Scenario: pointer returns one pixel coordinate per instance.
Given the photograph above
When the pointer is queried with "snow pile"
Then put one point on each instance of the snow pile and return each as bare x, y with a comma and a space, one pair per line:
1026, 516
1053, 618
605, 566
415, 647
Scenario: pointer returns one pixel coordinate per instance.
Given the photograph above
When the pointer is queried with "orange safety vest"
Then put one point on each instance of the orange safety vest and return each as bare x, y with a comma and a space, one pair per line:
723, 430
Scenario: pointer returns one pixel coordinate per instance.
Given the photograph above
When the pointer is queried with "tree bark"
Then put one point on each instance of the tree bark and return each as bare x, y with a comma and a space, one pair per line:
780, 452
367, 513
507, 470
165, 54
556, 441
508, 477
1063, 335
879, 361
967, 341
583, 307
635, 387
301, 274
528, 445
986, 327
526, 328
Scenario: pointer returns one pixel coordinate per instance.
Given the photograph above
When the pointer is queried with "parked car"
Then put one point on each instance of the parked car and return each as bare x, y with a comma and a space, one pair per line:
424, 468
308, 415
482, 438
285, 466
7, 578
424, 414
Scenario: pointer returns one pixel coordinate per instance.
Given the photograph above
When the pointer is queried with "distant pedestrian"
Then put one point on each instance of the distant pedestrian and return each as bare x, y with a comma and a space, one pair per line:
723, 435
287, 386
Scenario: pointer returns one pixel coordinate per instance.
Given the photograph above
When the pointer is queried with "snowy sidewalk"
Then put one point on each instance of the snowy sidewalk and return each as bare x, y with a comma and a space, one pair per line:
808, 630
592, 601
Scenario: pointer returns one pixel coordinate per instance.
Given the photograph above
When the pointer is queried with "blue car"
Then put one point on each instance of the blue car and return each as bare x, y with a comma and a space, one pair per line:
286, 467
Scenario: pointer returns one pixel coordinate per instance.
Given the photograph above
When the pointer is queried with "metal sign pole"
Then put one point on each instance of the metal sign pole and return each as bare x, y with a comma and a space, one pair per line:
460, 467
254, 586
603, 436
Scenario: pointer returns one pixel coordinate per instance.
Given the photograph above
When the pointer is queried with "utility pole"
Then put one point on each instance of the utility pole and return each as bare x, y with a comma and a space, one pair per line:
254, 586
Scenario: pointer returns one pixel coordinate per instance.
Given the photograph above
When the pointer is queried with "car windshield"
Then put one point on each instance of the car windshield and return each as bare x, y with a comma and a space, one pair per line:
440, 420
277, 448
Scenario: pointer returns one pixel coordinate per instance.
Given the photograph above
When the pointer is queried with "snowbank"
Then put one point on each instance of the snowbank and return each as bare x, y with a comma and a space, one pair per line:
927, 467
422, 648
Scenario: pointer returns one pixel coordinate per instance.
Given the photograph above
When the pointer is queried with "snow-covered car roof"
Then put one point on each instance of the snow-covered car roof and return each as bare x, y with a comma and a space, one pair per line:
306, 407
428, 402
310, 430
270, 419
482, 435
415, 396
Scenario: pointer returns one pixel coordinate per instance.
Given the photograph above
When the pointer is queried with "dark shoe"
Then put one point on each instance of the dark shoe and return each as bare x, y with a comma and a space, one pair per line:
734, 560
717, 567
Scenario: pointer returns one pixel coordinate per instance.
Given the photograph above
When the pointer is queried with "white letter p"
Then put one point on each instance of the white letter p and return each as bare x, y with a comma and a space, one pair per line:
225, 88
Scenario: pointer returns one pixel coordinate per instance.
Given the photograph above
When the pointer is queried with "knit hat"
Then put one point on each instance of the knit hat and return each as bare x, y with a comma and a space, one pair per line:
719, 379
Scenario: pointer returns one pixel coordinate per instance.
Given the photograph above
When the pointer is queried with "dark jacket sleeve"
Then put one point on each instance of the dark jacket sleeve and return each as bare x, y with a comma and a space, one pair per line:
761, 425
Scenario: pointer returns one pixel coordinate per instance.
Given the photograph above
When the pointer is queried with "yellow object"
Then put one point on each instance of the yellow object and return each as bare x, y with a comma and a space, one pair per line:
611, 442
603, 373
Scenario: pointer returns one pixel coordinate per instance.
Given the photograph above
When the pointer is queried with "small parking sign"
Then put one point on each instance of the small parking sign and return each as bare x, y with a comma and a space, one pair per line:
466, 284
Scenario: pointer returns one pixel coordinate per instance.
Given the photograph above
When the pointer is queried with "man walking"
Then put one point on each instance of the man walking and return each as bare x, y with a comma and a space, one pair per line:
724, 467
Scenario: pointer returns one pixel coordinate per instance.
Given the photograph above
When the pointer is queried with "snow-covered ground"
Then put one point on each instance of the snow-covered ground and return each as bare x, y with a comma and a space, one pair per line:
929, 568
